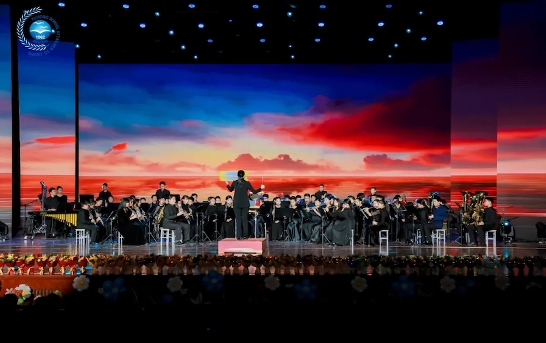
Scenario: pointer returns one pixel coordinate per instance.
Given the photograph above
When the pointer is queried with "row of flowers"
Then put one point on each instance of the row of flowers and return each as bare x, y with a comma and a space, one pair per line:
304, 288
11, 264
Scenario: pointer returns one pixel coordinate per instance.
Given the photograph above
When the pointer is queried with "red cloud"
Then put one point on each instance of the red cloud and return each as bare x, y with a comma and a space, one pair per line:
281, 163
421, 162
5, 155
118, 159
424, 111
511, 134
478, 155
59, 140
118, 147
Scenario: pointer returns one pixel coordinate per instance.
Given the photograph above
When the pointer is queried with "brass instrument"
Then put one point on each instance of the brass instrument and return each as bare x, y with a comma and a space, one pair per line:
475, 211
159, 216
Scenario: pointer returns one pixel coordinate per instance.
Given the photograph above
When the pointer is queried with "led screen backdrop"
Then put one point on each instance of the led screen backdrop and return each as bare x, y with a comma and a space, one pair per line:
5, 117
47, 121
522, 110
347, 126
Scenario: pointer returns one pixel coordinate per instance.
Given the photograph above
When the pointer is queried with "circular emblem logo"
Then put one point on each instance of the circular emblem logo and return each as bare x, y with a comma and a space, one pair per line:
37, 32
40, 30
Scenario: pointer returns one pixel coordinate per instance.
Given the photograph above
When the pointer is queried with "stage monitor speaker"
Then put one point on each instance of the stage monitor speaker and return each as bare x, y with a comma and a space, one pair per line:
86, 197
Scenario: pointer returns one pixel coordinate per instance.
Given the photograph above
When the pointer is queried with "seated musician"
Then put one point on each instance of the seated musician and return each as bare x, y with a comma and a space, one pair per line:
314, 222
277, 224
436, 219
87, 222
228, 225
295, 222
379, 220
171, 215
60, 196
211, 214
339, 231
128, 224
360, 219
486, 223
419, 217
50, 204
397, 212
156, 218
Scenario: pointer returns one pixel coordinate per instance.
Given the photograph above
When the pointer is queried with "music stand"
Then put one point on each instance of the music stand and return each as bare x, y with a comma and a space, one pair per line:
64, 207
284, 214
109, 222
220, 213
200, 211
323, 226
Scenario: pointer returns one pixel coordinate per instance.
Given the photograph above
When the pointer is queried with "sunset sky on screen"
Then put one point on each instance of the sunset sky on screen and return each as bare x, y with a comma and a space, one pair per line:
272, 119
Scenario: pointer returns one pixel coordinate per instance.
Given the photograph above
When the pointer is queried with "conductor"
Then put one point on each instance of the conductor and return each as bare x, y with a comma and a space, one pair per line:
241, 203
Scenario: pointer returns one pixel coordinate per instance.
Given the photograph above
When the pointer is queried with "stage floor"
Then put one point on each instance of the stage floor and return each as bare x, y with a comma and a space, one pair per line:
40, 245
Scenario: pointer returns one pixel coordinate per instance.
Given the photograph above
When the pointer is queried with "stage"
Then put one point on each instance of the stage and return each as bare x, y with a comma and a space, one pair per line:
40, 245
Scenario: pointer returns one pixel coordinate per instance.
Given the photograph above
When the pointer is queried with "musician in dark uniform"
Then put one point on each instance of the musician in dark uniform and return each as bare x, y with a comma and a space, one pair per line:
51, 204
487, 223
315, 219
420, 217
60, 196
228, 225
339, 232
212, 221
241, 204
320, 193
294, 226
85, 222
170, 215
380, 220
105, 193
162, 192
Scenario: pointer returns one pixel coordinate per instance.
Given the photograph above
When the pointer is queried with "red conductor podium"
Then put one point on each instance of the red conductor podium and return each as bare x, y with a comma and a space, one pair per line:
252, 246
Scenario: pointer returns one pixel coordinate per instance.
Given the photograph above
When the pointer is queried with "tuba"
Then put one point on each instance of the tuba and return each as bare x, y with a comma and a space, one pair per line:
474, 214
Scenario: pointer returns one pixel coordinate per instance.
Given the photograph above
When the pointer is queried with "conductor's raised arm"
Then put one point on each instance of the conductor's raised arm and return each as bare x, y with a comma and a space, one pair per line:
230, 187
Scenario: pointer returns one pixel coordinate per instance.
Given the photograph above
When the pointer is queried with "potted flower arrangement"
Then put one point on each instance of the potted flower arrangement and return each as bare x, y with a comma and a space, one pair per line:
30, 261
9, 261
41, 261
52, 262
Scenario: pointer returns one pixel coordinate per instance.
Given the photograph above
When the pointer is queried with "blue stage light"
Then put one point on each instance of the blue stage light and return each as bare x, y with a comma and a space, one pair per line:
125, 6
420, 12
321, 24
289, 14
255, 6
388, 6
259, 24
209, 40
408, 30
201, 26
396, 45
440, 23
322, 7
371, 39
381, 24
390, 56
191, 5
77, 46
183, 47
157, 14
171, 32
61, 4
83, 24
290, 46
142, 26
195, 57
292, 56
423, 38
317, 40
262, 40
99, 57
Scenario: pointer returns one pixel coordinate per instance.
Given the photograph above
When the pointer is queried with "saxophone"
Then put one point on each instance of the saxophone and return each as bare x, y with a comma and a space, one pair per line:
160, 215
